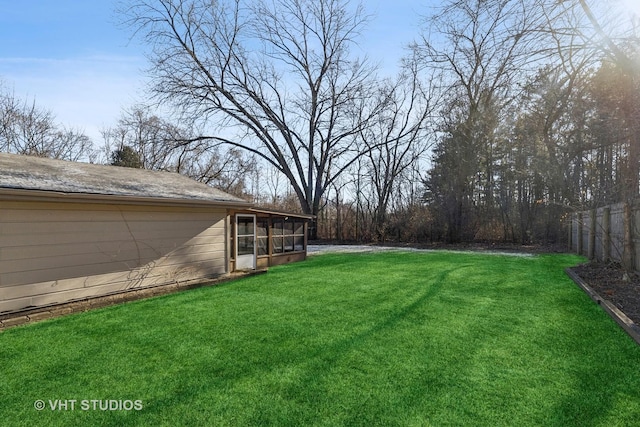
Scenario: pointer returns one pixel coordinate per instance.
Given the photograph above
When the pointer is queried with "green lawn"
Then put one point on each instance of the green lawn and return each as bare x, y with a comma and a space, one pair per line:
394, 338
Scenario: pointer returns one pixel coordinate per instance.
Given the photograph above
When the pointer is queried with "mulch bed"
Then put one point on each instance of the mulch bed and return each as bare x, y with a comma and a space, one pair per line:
611, 283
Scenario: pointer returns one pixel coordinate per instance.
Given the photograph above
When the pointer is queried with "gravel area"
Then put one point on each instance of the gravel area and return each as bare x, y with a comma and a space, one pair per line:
320, 249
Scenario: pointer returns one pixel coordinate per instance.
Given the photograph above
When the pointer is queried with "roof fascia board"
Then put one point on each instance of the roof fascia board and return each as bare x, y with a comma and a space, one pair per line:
281, 213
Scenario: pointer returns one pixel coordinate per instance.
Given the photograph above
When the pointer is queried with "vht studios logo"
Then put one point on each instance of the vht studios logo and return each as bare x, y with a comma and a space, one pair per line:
88, 405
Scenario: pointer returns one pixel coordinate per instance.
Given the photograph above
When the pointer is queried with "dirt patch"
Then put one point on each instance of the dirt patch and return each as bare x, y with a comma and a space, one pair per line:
611, 283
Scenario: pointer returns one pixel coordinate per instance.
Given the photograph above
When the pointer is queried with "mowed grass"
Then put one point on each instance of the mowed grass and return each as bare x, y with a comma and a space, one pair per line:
397, 338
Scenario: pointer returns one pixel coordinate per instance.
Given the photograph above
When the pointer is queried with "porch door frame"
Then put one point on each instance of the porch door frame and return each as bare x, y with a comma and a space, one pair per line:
245, 260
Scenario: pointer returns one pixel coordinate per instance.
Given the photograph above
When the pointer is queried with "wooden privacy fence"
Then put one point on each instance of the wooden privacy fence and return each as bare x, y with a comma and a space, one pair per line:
608, 233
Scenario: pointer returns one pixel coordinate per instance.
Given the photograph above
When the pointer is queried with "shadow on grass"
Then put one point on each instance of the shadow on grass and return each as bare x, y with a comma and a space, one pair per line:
375, 339
502, 363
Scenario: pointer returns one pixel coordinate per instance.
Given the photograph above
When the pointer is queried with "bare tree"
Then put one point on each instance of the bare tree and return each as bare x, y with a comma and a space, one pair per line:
153, 138
604, 29
28, 129
482, 48
276, 77
160, 144
398, 138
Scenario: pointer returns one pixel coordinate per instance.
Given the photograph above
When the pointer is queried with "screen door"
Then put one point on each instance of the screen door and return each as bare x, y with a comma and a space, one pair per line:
245, 242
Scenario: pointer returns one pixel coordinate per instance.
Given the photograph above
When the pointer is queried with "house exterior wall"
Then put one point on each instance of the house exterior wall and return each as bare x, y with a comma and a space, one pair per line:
55, 252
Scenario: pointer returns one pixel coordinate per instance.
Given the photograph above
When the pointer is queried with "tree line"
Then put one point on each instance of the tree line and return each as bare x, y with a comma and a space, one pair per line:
504, 116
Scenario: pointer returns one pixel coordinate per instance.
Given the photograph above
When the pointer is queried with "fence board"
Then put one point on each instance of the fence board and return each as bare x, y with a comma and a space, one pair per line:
604, 239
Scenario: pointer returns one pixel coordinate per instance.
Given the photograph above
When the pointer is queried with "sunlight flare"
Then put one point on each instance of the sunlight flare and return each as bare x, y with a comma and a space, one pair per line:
631, 7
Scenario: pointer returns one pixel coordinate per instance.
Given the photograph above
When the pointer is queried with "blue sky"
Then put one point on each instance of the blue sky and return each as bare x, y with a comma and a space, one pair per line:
74, 59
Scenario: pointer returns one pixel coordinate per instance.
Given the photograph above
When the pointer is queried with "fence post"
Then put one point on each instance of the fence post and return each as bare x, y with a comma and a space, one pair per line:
579, 233
606, 234
570, 236
628, 258
591, 249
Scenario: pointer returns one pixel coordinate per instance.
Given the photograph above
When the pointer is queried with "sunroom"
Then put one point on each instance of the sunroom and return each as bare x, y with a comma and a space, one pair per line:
262, 238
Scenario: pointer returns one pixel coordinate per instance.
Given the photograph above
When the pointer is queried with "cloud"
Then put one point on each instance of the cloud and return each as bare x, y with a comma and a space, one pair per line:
87, 93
